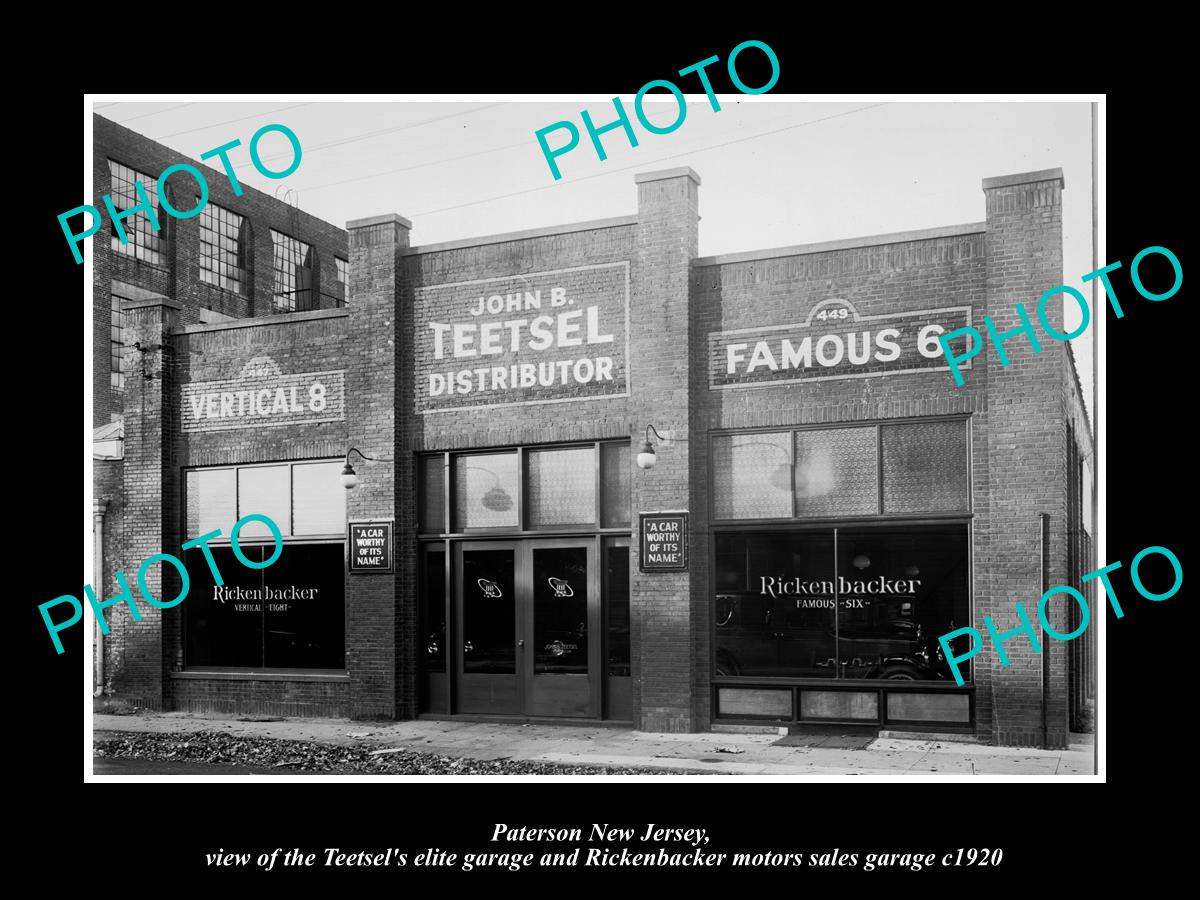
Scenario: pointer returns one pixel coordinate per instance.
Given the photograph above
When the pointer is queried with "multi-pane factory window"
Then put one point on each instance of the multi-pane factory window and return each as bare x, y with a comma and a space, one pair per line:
116, 344
293, 274
343, 278
142, 240
222, 247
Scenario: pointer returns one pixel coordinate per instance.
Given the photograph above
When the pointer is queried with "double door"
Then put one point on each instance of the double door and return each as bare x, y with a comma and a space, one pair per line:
527, 628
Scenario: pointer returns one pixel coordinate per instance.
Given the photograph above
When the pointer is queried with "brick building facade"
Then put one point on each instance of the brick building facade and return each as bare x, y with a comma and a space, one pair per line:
817, 454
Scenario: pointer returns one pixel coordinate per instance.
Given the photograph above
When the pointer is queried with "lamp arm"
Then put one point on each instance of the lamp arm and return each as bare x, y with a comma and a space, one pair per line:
360, 453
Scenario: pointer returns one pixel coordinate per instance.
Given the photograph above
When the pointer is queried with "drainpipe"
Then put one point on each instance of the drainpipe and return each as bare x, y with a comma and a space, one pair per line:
98, 509
1044, 520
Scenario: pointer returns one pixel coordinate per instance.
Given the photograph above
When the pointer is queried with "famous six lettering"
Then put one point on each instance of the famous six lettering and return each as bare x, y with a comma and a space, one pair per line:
1026, 327
622, 120
145, 207
220, 592
1026, 626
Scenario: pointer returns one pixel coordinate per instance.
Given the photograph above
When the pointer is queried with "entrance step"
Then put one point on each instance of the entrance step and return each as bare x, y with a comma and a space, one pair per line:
842, 737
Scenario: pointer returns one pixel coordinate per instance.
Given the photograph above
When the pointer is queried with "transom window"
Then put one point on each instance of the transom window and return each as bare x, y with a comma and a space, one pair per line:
825, 473
580, 487
143, 242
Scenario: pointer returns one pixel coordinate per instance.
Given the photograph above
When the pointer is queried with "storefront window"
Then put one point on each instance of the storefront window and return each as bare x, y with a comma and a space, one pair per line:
290, 615
432, 475
787, 605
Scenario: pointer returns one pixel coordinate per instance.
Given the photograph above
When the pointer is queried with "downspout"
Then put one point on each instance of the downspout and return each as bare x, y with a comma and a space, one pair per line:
98, 509
1044, 519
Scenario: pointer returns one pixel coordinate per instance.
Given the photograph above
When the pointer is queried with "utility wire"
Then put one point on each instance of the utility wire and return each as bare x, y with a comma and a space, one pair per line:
640, 165
424, 165
371, 134
231, 121
155, 113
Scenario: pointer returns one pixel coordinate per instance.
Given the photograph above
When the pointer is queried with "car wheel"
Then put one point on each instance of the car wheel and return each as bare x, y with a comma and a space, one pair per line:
900, 673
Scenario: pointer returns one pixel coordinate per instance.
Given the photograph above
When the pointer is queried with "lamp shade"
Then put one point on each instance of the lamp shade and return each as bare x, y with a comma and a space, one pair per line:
349, 479
646, 458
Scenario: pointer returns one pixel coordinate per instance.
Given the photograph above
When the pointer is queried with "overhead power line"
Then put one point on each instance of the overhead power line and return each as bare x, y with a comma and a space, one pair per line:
341, 142
231, 121
155, 113
546, 187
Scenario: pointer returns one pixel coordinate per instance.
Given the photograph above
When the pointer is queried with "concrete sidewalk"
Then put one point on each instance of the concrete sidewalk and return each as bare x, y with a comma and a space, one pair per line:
734, 754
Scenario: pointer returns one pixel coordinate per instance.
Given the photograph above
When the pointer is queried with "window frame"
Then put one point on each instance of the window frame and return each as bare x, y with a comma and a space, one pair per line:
201, 670
314, 288
522, 528
151, 249
880, 515
833, 526
117, 374
215, 212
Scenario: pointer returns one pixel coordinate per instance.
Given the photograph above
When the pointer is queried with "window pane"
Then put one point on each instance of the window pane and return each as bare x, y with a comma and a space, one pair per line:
318, 498
489, 611
485, 491
223, 624
752, 476
211, 501
898, 589
775, 605
433, 574
560, 634
615, 484
304, 607
561, 486
432, 475
925, 467
836, 472
616, 584
264, 490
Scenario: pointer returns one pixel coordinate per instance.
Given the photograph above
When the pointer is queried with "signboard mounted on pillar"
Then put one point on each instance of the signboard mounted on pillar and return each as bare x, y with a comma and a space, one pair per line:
664, 542
371, 547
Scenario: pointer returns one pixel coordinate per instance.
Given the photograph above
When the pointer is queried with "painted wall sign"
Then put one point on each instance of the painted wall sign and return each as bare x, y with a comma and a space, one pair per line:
833, 342
664, 542
540, 337
371, 547
263, 396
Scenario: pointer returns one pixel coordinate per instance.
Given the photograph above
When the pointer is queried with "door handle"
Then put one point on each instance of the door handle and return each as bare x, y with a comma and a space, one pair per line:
520, 643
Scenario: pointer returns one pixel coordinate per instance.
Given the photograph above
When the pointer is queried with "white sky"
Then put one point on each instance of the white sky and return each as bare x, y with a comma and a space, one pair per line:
465, 169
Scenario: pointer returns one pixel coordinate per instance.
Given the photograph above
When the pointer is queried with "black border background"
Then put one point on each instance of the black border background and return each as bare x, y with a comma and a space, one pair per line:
122, 840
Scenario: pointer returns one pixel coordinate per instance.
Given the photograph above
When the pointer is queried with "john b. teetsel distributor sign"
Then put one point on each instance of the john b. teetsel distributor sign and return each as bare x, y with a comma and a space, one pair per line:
540, 337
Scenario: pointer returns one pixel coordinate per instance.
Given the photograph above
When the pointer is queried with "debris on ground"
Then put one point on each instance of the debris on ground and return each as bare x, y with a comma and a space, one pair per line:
730, 750
310, 756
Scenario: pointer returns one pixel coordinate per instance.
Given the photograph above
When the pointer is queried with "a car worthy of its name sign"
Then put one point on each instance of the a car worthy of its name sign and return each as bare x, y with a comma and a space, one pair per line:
371, 547
664, 542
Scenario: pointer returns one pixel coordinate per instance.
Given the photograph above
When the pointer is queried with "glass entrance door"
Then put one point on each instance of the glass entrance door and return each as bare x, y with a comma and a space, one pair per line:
527, 628
486, 629
563, 624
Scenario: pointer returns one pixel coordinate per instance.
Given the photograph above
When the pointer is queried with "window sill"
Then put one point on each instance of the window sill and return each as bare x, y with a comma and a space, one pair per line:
332, 675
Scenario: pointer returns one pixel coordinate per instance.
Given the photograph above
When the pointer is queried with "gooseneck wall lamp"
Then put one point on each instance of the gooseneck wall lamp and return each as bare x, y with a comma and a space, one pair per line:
646, 457
349, 479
